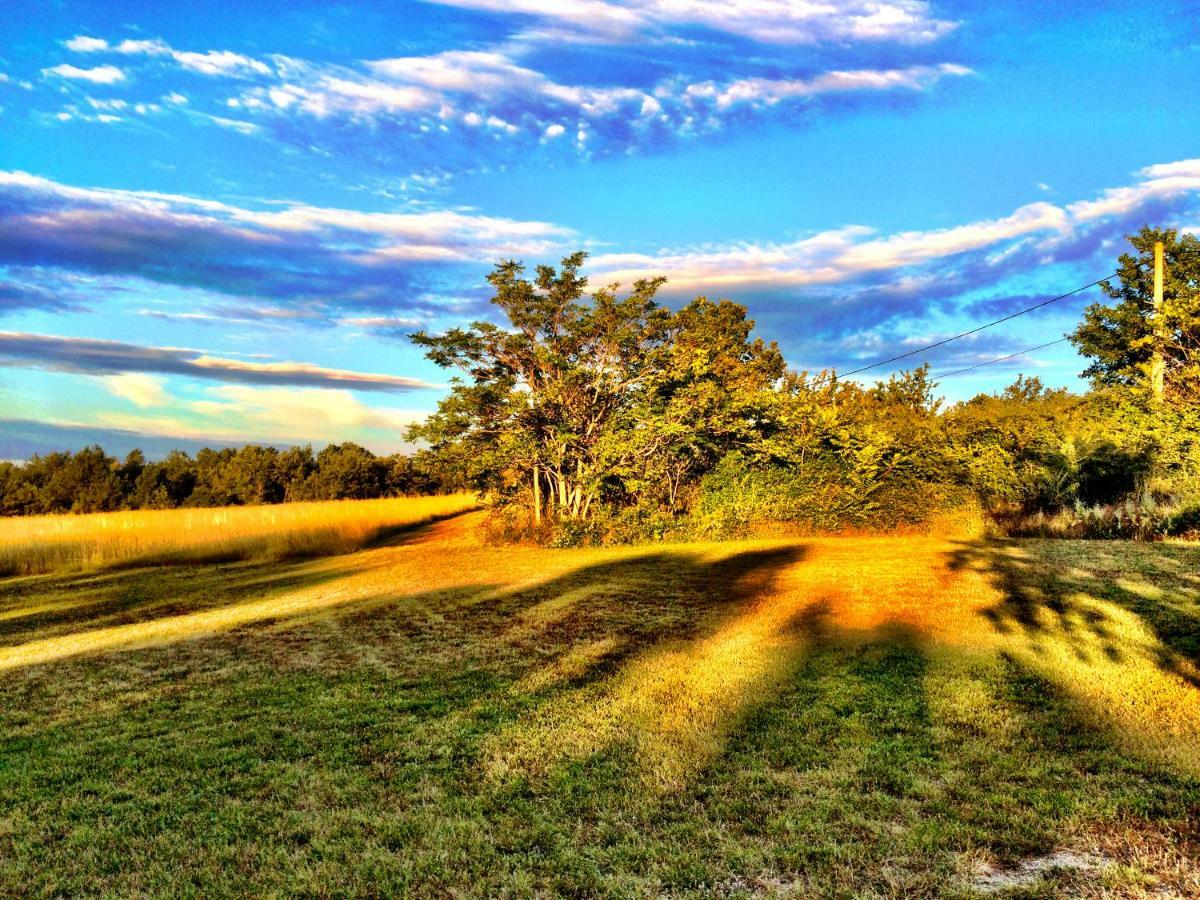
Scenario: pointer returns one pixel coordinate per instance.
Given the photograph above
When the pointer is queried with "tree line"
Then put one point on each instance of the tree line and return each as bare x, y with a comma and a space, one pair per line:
92, 481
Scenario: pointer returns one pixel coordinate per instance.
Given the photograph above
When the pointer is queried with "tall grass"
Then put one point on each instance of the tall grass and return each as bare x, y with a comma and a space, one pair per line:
39, 544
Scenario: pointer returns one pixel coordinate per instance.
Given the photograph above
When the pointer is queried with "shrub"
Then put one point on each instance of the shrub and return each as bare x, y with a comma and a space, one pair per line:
820, 497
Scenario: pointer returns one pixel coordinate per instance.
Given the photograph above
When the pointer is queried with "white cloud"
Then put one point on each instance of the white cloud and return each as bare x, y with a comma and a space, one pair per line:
106, 104
140, 390
770, 91
1158, 181
489, 89
232, 124
210, 62
221, 62
97, 75
766, 21
131, 47
83, 44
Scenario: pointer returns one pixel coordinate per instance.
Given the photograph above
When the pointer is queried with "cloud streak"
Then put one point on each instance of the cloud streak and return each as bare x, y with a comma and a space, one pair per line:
855, 252
97, 75
299, 255
766, 21
87, 356
488, 94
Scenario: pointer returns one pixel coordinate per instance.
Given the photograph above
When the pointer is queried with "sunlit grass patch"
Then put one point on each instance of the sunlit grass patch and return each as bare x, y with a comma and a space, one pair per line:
37, 544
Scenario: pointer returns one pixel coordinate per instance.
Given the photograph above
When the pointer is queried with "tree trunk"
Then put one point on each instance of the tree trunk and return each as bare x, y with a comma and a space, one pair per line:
537, 496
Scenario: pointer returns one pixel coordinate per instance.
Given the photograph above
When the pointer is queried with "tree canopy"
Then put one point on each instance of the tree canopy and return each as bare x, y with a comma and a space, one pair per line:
610, 395
1121, 337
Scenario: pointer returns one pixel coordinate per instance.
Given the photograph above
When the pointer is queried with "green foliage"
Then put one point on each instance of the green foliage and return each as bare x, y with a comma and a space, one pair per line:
612, 400
850, 491
616, 420
1120, 337
91, 481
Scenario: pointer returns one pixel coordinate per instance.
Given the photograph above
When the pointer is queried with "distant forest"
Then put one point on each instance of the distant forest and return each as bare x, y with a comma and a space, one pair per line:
594, 417
92, 481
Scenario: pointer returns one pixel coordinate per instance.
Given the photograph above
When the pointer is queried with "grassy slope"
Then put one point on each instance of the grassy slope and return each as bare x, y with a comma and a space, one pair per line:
827, 716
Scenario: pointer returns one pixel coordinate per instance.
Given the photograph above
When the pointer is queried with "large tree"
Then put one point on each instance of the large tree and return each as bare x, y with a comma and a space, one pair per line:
1122, 337
585, 398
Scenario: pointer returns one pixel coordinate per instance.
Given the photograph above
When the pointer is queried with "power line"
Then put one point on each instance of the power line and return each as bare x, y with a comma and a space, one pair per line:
979, 328
998, 359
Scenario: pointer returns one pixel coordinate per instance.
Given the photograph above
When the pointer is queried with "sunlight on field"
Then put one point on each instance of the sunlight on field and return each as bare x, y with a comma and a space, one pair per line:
749, 612
37, 544
672, 706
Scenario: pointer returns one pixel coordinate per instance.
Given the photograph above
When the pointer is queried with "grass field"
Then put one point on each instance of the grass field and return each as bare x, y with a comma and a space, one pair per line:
875, 716
38, 544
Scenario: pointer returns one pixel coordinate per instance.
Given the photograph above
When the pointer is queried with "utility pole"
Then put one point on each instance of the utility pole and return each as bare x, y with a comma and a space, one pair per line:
1158, 364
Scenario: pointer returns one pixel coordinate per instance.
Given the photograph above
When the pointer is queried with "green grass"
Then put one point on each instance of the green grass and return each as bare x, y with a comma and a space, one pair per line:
358, 747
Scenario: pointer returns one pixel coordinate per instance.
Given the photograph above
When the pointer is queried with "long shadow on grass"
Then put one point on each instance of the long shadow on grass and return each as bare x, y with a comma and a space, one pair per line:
1044, 593
878, 764
48, 605
641, 599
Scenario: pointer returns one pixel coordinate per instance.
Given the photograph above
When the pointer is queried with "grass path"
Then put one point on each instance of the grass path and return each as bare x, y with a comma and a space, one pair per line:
832, 716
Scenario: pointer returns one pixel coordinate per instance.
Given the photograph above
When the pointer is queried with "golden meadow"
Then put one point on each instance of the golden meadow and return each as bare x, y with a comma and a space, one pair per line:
39, 544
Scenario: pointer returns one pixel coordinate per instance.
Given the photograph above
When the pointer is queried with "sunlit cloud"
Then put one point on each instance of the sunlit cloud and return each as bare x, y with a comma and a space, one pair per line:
140, 390
276, 415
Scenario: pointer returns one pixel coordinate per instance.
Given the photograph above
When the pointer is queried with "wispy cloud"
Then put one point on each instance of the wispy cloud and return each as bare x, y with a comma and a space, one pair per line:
210, 62
96, 75
496, 100
489, 92
766, 21
89, 356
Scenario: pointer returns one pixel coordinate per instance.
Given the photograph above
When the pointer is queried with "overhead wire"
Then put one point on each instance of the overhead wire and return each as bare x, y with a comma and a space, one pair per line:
978, 328
980, 365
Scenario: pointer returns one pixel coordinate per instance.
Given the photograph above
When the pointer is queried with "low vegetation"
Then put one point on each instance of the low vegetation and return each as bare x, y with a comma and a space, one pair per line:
812, 716
39, 544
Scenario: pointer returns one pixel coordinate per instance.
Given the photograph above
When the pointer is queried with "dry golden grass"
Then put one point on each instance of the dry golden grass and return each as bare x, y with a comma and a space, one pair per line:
38, 544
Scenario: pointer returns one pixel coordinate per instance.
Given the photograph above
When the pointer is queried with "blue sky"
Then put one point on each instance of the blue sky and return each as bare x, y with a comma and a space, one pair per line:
219, 221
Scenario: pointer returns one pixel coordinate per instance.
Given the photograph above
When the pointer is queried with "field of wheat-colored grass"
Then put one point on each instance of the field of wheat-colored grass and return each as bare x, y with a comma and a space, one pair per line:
38, 544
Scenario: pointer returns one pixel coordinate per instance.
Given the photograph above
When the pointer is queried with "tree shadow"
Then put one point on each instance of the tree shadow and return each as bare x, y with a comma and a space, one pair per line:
47, 605
671, 692
1047, 593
